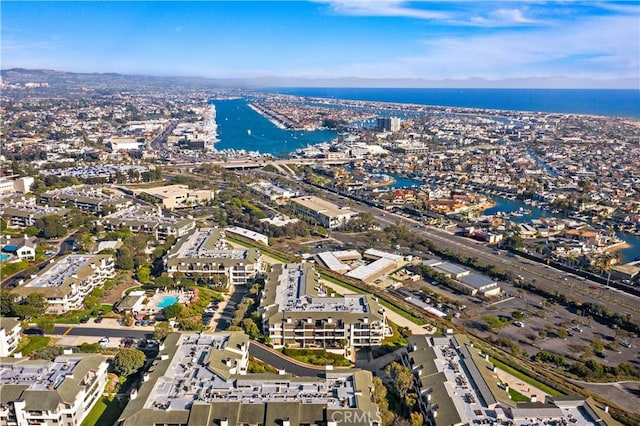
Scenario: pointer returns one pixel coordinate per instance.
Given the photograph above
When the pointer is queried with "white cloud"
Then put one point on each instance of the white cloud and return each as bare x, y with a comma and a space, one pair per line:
598, 47
503, 17
383, 8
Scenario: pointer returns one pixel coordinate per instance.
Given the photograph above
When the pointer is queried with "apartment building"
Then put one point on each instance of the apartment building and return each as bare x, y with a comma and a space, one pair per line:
50, 393
458, 385
298, 311
68, 281
201, 379
87, 198
10, 330
203, 253
148, 220
23, 215
324, 212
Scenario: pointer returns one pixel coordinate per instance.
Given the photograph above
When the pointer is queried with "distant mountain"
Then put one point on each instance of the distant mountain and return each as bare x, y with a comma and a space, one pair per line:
53, 77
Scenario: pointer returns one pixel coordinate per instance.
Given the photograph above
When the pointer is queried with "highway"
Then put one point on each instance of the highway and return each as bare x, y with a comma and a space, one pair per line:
544, 276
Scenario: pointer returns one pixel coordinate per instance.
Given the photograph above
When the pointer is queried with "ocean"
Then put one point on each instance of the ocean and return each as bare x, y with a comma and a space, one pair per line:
607, 102
240, 127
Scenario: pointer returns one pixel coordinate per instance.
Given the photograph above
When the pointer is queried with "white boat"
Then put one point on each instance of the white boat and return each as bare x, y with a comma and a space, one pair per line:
249, 132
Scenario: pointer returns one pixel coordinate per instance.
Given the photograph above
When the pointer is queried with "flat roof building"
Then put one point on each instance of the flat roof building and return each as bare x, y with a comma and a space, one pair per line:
23, 215
203, 253
87, 198
457, 386
324, 212
148, 220
69, 280
248, 234
50, 393
201, 379
177, 196
475, 284
297, 312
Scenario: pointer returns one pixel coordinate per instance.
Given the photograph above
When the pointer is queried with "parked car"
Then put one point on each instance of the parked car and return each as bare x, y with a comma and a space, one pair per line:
84, 320
98, 320
33, 332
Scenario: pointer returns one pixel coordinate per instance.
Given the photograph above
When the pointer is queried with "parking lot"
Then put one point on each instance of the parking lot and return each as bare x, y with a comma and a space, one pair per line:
543, 326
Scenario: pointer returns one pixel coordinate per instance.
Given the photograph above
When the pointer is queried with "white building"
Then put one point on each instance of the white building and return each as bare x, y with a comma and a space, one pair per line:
50, 393
203, 253
324, 212
10, 330
68, 281
247, 233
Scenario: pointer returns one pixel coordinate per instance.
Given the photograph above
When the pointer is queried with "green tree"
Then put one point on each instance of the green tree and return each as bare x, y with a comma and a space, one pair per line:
162, 330
124, 259
416, 419
250, 327
174, 311
143, 274
127, 361
380, 398
46, 323
401, 378
7, 303
34, 305
51, 226
597, 346
164, 281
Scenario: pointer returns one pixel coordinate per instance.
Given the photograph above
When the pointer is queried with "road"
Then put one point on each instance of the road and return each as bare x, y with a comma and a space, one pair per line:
281, 362
545, 277
76, 330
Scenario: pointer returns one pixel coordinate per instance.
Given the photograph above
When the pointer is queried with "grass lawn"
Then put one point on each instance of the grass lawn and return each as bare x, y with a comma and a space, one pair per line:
72, 317
517, 396
30, 344
530, 380
105, 412
397, 340
7, 269
317, 357
341, 284
399, 311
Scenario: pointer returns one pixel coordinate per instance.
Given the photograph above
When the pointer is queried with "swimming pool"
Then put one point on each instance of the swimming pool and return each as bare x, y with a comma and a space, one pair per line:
4, 256
167, 301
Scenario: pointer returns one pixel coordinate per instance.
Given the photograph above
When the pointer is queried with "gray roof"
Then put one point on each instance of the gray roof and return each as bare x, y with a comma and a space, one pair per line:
477, 281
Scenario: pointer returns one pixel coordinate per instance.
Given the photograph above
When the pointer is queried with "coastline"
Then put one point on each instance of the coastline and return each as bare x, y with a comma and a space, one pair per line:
279, 124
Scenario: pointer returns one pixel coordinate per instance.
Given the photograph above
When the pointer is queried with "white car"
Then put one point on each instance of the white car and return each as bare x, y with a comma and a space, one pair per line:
518, 324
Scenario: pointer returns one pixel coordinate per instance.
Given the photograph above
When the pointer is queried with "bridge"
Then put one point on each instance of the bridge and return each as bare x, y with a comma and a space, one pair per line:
251, 163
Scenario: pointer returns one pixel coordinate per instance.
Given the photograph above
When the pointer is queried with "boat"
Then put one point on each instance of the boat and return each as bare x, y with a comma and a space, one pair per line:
249, 132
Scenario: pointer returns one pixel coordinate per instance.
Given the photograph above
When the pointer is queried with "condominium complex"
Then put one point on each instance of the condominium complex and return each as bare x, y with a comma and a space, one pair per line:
201, 379
87, 198
50, 393
203, 253
23, 214
10, 330
458, 385
297, 311
148, 220
68, 281
324, 212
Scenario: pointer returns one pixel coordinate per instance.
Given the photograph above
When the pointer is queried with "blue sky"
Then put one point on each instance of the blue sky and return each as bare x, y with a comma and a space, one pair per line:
370, 39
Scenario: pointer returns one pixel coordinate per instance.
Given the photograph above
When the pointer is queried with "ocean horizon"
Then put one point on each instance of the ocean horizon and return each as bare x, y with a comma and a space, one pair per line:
606, 102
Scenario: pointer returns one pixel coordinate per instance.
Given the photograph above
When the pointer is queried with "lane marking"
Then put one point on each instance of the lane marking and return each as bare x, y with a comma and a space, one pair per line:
67, 331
